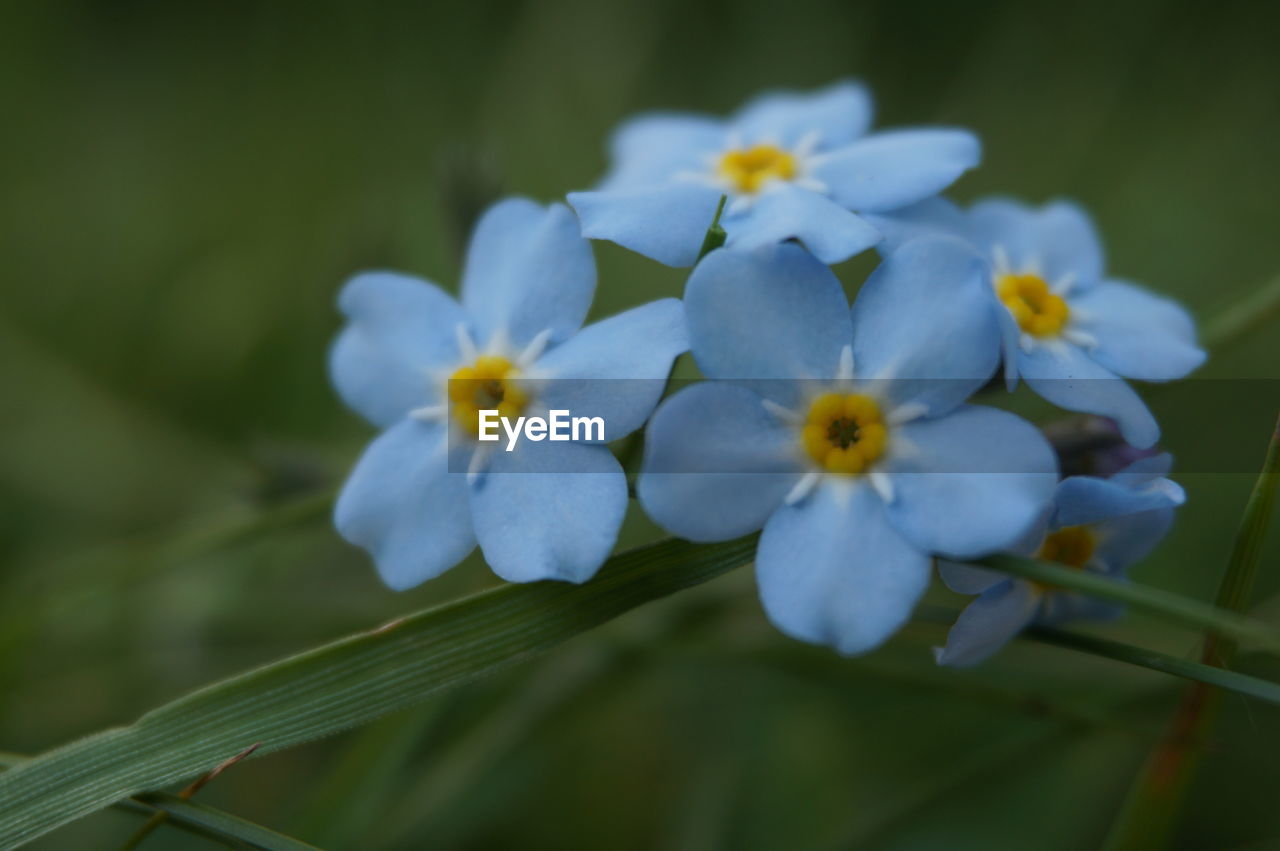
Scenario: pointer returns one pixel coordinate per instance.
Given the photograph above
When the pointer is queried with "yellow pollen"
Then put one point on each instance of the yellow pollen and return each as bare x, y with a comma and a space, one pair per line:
749, 169
487, 385
844, 433
1038, 311
1072, 546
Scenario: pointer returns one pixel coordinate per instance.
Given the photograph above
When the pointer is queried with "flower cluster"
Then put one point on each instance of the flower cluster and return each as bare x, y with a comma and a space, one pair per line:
844, 434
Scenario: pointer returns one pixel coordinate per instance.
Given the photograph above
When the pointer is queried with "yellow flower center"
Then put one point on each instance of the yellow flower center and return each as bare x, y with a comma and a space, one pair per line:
1072, 546
487, 385
1038, 311
844, 433
749, 169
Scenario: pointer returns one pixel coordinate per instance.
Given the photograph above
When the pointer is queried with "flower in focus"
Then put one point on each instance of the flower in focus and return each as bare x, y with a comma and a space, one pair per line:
419, 365
1102, 525
792, 165
1068, 330
842, 434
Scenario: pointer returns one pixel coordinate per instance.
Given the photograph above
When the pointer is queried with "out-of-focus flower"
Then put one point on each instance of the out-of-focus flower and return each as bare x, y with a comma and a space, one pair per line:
1092, 446
793, 166
843, 434
411, 359
1102, 525
1070, 332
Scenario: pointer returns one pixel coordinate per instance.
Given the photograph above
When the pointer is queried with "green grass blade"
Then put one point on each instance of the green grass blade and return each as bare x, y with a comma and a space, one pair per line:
1242, 568
1150, 814
1244, 317
222, 824
1155, 661
199, 819
1128, 654
1172, 607
343, 684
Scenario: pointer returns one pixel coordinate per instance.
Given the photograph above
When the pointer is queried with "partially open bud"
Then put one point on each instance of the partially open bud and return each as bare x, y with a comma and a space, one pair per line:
1088, 445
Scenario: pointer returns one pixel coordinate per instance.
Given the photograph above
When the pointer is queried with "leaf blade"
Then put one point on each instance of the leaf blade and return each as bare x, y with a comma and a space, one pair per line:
342, 684
1170, 606
199, 819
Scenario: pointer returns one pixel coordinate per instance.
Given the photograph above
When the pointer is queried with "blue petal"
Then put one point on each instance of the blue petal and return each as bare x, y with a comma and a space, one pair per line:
1139, 335
773, 313
1145, 469
1058, 240
1125, 541
403, 505
528, 270
400, 330
829, 231
716, 463
1010, 341
1070, 379
925, 314
969, 483
930, 217
533, 524
616, 369
666, 223
967, 578
651, 149
832, 570
891, 170
1066, 606
838, 113
1084, 499
1067, 244
1001, 225
989, 622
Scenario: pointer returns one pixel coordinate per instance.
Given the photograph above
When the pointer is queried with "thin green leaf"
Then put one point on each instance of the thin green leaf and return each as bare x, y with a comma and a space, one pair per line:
1244, 317
199, 819
715, 235
1168, 605
221, 824
1130, 654
1143, 658
1151, 811
343, 684
1242, 568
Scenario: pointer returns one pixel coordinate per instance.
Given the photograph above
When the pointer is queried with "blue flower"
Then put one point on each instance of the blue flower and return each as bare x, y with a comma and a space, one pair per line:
865, 466
793, 165
545, 510
1102, 525
1068, 330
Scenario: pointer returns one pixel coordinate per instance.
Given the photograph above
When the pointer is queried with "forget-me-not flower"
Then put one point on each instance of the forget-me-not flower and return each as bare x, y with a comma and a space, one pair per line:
411, 359
792, 165
1068, 330
1102, 525
842, 434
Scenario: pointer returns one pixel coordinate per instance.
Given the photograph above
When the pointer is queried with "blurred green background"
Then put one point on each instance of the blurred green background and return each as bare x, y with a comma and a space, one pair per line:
185, 186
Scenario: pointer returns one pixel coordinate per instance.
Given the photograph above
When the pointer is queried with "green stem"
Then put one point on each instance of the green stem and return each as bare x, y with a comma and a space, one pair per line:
1243, 317
1150, 814
1204, 675
1172, 607
715, 234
